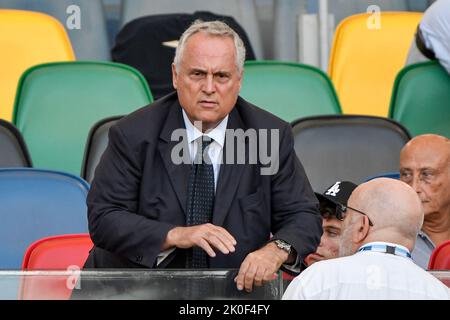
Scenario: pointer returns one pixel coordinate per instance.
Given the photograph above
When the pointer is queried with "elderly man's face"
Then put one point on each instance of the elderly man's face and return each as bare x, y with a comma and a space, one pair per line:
208, 81
329, 243
426, 168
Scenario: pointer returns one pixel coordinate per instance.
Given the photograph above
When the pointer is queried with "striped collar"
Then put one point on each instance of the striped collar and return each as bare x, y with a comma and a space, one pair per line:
385, 247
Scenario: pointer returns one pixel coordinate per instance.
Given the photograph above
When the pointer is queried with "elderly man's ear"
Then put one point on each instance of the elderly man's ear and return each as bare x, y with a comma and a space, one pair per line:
361, 230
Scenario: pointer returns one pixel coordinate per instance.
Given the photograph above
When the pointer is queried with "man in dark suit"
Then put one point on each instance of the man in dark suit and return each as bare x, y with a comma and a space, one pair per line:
149, 209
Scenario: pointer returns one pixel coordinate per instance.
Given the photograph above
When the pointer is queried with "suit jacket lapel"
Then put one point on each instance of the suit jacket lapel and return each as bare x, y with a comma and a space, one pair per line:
229, 176
178, 173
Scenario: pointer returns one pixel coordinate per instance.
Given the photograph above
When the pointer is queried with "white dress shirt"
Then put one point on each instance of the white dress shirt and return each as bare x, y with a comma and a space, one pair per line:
214, 152
215, 148
435, 27
366, 275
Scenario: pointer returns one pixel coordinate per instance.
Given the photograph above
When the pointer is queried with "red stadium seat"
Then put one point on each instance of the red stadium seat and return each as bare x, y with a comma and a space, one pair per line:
440, 258
65, 252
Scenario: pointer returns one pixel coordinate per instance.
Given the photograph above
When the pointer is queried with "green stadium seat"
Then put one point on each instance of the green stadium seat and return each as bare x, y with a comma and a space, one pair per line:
421, 99
58, 103
289, 90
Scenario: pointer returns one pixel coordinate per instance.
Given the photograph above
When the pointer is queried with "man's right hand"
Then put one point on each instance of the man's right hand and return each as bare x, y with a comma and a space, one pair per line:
206, 236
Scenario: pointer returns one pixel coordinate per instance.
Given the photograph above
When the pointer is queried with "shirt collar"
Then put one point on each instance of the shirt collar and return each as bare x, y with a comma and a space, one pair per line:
424, 236
217, 134
382, 243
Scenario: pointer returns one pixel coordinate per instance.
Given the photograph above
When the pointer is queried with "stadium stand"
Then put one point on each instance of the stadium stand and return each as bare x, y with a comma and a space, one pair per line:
58, 103
84, 22
26, 39
13, 150
35, 204
364, 62
289, 90
421, 99
96, 144
344, 147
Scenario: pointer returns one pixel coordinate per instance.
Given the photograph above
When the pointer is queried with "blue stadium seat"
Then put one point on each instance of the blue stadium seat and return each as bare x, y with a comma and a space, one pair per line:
35, 204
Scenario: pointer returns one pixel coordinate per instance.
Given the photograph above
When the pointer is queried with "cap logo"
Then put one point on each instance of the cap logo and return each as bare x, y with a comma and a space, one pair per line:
334, 190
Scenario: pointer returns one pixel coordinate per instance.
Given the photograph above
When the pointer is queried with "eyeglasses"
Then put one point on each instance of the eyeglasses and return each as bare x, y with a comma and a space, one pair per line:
338, 212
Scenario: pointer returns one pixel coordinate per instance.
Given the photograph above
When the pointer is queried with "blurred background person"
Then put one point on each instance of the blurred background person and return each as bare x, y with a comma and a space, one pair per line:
425, 166
432, 40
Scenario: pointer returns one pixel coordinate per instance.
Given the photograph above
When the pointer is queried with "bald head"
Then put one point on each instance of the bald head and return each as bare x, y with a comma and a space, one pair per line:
425, 166
394, 209
429, 146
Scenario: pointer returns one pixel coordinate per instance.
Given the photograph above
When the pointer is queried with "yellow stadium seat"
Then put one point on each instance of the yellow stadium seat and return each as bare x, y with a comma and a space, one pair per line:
26, 39
365, 61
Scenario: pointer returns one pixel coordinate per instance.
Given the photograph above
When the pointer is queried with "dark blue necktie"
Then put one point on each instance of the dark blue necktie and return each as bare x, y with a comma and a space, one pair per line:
200, 202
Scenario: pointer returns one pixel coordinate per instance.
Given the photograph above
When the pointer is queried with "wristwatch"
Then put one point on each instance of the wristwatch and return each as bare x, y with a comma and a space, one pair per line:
283, 245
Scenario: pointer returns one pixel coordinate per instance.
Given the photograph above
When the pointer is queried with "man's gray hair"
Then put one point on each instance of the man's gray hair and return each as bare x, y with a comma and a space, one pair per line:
215, 28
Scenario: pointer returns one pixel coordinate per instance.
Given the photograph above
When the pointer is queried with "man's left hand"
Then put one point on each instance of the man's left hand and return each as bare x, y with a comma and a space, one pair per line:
260, 266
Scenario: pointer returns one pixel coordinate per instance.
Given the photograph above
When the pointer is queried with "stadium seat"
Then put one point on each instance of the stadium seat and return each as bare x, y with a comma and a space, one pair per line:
334, 148
35, 204
95, 146
244, 11
421, 99
364, 62
58, 103
89, 38
289, 90
65, 252
440, 257
13, 151
26, 39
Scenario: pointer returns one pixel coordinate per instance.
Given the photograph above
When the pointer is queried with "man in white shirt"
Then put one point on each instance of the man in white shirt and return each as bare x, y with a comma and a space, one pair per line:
383, 218
432, 39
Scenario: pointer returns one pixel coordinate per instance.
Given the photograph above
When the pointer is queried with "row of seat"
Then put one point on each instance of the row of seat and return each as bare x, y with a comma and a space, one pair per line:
58, 103
363, 62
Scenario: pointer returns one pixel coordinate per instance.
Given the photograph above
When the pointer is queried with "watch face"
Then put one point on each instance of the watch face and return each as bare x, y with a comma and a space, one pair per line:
283, 245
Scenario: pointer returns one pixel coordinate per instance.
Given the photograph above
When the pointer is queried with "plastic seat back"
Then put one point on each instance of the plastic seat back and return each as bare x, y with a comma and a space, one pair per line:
13, 151
95, 146
289, 90
64, 253
84, 20
440, 257
35, 204
336, 148
58, 103
364, 61
421, 99
26, 39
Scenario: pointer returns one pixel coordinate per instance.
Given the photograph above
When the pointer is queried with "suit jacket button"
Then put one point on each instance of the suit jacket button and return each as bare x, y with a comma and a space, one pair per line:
139, 258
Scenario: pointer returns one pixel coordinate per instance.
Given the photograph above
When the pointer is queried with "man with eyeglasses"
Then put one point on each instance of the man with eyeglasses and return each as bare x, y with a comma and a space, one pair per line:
332, 202
425, 166
375, 253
